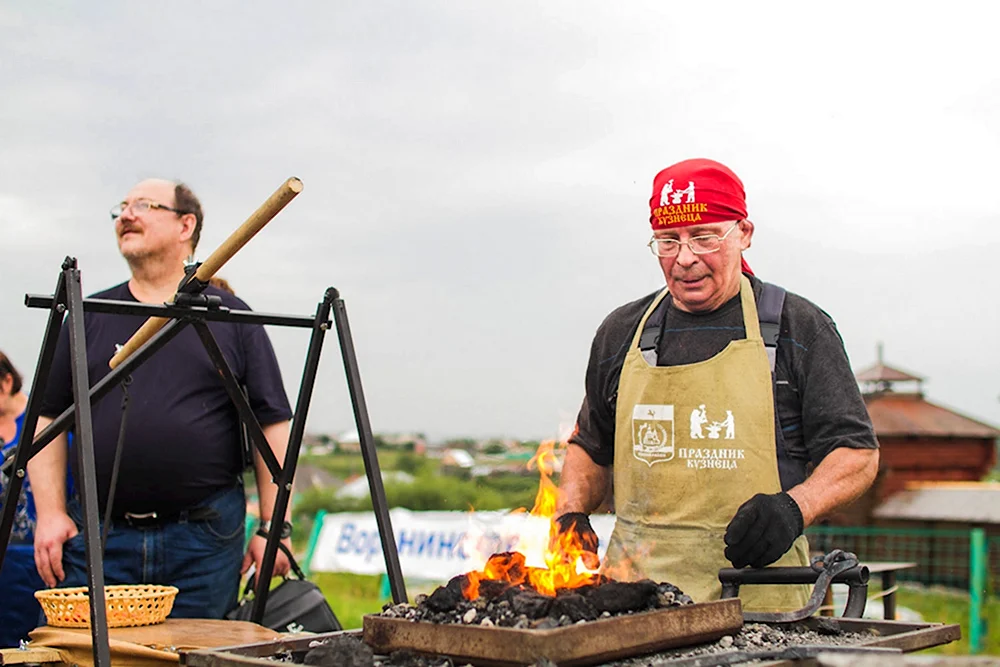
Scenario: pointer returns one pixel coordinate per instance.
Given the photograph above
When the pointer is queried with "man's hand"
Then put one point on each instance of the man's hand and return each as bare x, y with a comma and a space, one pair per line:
577, 523
52, 531
762, 530
255, 556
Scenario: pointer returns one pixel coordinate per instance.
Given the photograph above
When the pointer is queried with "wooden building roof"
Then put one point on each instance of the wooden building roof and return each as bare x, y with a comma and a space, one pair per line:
879, 372
970, 502
910, 415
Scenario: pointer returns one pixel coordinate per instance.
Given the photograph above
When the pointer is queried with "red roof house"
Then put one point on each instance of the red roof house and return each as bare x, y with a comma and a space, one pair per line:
920, 441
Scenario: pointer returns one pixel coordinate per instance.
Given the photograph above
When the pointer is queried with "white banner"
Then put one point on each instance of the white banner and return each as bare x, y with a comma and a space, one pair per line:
436, 545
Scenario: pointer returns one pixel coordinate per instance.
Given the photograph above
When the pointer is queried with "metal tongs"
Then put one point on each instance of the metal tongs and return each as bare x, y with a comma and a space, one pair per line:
838, 566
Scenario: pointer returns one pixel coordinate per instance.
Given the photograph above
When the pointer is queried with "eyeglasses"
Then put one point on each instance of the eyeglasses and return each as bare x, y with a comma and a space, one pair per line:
699, 245
141, 206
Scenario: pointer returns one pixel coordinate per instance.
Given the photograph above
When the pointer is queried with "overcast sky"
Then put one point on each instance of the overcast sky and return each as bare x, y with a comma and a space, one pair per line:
477, 175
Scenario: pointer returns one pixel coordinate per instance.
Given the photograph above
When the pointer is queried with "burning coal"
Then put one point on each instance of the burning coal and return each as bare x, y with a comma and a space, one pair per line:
517, 603
510, 593
564, 557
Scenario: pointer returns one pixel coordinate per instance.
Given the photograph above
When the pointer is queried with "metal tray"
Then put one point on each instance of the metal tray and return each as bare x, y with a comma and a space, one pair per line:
589, 643
907, 637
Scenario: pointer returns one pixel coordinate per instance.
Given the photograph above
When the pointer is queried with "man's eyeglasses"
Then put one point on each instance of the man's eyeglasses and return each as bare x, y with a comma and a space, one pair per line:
141, 206
699, 245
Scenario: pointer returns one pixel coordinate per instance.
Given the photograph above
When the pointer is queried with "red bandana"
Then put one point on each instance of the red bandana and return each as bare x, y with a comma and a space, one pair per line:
697, 192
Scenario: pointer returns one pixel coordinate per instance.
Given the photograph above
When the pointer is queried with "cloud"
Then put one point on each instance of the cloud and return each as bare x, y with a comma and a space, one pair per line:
477, 175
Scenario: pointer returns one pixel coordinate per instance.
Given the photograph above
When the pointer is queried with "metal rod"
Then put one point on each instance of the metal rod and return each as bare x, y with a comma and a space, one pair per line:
857, 600
107, 383
788, 575
84, 444
287, 473
237, 396
114, 307
824, 571
379, 503
23, 453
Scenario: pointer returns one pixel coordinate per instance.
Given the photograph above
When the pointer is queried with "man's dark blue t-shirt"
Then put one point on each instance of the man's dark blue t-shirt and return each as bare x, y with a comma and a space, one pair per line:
182, 438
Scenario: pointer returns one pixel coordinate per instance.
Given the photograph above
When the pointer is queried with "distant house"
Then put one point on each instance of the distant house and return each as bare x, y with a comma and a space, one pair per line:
415, 442
920, 441
933, 520
310, 476
943, 505
350, 441
458, 458
358, 486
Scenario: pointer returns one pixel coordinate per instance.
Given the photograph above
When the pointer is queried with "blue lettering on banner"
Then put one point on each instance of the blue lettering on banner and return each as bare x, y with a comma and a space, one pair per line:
438, 545
344, 541
432, 544
405, 541
427, 544
461, 546
447, 546
361, 542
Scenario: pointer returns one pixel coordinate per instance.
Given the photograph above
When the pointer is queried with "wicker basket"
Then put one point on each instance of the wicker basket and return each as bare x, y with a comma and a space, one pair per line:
127, 606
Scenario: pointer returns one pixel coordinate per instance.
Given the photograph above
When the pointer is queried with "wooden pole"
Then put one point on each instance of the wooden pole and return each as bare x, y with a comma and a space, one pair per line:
239, 238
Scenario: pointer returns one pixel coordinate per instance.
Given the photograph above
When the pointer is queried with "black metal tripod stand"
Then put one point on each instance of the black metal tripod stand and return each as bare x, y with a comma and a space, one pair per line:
68, 300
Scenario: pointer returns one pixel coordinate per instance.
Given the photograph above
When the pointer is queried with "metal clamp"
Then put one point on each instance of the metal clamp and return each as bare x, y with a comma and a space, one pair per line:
838, 566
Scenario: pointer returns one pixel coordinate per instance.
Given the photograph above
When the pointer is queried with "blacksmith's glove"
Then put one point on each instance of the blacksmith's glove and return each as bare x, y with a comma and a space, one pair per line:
579, 523
763, 529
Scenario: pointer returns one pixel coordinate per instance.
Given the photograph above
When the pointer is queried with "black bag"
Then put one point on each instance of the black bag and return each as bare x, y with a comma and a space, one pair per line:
295, 605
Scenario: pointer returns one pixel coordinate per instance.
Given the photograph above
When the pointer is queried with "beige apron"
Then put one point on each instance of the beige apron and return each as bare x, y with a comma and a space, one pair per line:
692, 444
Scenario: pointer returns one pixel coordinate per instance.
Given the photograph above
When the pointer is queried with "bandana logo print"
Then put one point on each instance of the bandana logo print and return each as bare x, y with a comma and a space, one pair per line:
669, 196
653, 433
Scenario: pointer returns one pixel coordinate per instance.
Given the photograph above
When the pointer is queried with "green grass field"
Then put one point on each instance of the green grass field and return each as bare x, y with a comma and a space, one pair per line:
351, 596
937, 605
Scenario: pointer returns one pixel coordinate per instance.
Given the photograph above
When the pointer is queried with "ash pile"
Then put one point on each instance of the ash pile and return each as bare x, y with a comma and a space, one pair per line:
752, 640
515, 602
344, 651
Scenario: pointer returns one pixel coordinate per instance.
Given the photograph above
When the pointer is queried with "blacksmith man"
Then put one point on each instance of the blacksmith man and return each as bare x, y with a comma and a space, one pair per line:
707, 454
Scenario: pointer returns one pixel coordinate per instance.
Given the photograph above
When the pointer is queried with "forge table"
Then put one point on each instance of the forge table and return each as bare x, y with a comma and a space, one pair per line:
906, 637
888, 572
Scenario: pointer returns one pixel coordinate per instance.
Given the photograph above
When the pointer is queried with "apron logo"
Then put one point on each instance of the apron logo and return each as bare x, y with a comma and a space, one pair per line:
653, 433
700, 424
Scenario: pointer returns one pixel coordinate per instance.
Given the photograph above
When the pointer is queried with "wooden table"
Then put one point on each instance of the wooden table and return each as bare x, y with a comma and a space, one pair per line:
888, 571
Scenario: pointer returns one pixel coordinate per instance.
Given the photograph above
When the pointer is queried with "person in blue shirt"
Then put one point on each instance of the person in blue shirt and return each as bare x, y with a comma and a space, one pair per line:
19, 578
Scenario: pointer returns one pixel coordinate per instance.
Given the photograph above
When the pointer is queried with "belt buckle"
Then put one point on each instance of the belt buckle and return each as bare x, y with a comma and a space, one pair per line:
138, 520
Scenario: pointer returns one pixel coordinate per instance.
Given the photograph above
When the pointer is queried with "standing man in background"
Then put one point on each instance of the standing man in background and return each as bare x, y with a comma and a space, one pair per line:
179, 503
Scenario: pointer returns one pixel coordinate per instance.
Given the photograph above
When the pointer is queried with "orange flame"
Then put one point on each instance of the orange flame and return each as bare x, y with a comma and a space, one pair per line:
563, 558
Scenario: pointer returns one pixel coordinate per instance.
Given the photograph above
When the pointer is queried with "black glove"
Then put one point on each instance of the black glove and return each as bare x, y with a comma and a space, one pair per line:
763, 530
579, 523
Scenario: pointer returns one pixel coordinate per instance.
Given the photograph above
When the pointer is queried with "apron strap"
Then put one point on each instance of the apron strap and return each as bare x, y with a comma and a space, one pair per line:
652, 330
772, 300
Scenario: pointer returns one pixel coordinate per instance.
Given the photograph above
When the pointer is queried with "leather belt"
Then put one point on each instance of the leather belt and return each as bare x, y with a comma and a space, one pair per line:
152, 519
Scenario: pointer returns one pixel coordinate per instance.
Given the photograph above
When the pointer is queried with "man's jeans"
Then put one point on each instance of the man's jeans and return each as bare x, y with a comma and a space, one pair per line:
201, 558
19, 610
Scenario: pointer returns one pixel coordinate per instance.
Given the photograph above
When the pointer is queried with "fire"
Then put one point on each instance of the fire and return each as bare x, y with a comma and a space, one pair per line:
563, 558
